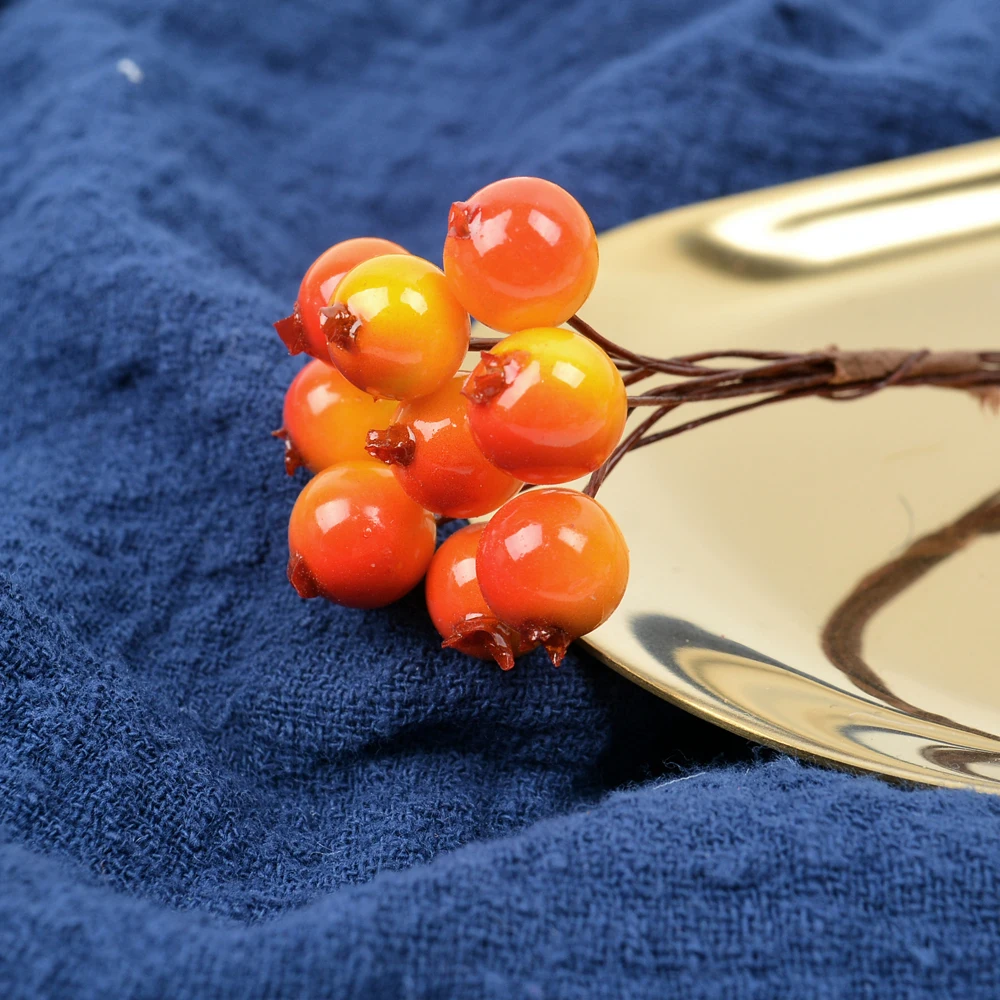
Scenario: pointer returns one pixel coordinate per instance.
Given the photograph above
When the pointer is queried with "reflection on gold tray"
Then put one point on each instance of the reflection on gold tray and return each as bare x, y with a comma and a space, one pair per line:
748, 535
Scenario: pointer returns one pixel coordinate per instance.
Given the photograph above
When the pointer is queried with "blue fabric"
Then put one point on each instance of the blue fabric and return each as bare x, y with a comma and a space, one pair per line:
209, 788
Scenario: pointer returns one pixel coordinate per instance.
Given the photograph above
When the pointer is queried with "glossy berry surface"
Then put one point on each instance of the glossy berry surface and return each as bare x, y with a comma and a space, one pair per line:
356, 538
326, 420
431, 451
521, 253
553, 565
546, 405
303, 330
395, 329
456, 605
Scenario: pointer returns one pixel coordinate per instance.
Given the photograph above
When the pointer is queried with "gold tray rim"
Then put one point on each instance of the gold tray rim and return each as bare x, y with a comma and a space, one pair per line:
963, 165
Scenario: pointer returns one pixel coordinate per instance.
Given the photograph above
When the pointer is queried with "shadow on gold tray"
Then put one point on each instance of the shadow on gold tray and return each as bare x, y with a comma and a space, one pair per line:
748, 535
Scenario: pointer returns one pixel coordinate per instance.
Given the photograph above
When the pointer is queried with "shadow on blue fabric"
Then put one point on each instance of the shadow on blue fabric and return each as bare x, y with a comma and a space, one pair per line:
211, 789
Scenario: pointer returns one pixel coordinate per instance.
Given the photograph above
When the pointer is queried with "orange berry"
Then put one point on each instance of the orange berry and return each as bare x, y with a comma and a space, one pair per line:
356, 538
553, 565
395, 329
521, 253
303, 330
546, 405
325, 419
429, 446
456, 603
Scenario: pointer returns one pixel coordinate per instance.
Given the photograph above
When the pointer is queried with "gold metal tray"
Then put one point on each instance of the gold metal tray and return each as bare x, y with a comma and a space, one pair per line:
747, 535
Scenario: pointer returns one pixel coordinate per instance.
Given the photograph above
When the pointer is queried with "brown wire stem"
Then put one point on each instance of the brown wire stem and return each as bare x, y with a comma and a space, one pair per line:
774, 376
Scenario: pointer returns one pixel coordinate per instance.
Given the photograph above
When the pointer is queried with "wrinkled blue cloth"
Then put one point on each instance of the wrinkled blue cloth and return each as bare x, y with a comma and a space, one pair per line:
209, 788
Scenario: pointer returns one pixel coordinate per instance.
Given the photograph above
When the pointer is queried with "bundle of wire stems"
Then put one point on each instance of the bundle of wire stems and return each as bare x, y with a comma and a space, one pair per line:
770, 377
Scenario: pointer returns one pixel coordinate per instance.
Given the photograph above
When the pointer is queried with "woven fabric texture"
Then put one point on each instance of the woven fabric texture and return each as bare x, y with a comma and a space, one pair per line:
209, 788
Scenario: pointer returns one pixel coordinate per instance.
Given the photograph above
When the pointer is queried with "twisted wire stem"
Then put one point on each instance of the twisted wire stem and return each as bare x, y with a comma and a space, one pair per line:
774, 377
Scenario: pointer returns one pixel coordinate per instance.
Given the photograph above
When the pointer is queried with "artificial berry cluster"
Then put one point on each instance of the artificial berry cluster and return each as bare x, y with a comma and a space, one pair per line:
396, 434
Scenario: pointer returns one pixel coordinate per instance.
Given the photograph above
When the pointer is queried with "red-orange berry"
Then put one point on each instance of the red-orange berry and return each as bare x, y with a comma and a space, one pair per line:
546, 405
521, 253
553, 565
456, 603
303, 330
429, 446
356, 538
326, 420
395, 329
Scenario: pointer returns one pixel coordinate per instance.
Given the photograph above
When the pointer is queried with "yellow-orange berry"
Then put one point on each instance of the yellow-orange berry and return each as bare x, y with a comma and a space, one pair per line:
521, 253
356, 538
456, 605
303, 330
326, 420
553, 565
546, 405
395, 329
431, 451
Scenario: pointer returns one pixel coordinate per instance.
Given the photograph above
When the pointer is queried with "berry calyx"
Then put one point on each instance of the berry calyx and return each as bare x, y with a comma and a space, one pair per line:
303, 329
395, 445
553, 565
486, 638
356, 538
495, 374
430, 448
293, 457
546, 405
340, 326
521, 253
457, 608
325, 419
395, 328
459, 217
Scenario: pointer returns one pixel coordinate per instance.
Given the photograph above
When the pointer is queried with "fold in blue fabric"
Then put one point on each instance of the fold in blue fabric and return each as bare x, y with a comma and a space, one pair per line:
209, 788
